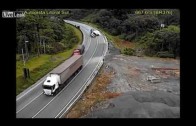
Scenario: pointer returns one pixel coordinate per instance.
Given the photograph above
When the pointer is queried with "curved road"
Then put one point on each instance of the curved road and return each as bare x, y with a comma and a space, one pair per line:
32, 103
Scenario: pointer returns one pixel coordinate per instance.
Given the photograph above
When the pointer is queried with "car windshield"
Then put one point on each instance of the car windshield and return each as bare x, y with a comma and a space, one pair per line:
76, 51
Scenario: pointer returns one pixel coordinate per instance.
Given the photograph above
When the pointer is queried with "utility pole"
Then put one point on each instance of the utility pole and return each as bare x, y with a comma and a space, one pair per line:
40, 45
26, 50
38, 37
23, 57
44, 46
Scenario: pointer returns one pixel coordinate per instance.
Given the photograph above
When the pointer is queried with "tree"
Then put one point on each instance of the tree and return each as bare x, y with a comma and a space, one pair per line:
39, 29
165, 40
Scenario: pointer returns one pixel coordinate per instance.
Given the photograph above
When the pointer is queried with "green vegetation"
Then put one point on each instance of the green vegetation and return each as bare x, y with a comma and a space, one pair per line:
38, 66
47, 41
77, 33
50, 42
162, 43
144, 30
118, 43
46, 34
129, 51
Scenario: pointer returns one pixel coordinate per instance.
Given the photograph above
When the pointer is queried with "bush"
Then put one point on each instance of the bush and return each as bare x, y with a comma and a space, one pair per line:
130, 37
114, 31
73, 40
165, 54
55, 48
129, 51
122, 36
18, 57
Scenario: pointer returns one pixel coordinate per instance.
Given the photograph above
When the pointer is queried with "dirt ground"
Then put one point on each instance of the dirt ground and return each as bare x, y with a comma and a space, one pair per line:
140, 97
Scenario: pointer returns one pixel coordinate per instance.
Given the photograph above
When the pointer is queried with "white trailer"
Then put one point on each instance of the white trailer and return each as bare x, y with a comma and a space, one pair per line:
60, 76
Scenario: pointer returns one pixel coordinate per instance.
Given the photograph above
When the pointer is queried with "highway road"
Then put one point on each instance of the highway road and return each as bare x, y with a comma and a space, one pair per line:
32, 103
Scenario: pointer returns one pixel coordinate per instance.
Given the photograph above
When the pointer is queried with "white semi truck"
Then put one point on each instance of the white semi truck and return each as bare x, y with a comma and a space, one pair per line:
94, 33
61, 75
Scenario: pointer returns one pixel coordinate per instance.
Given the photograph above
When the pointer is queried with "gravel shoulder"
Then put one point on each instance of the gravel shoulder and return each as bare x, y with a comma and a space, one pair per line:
139, 97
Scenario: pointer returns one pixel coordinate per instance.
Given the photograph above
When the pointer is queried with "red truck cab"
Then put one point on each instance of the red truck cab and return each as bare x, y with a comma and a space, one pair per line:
79, 50
76, 52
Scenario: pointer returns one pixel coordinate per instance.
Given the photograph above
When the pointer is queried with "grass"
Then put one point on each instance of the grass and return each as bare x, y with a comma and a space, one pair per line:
95, 94
118, 43
121, 44
33, 63
77, 32
40, 66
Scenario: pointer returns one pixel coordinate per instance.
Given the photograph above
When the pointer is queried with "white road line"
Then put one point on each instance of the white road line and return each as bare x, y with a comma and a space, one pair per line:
88, 46
42, 82
78, 90
28, 103
29, 90
76, 93
37, 84
67, 84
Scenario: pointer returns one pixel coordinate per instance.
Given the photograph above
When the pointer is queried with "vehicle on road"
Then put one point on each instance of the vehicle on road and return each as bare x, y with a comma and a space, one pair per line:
94, 33
61, 75
79, 50
97, 33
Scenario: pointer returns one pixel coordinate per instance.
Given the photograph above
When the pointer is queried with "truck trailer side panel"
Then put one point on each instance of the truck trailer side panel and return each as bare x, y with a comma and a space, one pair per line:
70, 66
72, 69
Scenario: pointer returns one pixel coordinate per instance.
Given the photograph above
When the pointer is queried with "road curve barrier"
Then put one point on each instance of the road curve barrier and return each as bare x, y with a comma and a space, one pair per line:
67, 107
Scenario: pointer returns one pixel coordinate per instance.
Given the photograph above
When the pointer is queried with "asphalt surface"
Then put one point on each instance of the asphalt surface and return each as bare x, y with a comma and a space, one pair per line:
147, 104
139, 98
32, 103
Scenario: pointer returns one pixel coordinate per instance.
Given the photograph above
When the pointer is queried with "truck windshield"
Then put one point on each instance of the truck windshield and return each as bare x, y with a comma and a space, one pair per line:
47, 87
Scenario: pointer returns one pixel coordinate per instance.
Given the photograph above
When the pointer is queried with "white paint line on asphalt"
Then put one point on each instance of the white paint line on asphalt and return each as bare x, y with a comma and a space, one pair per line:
88, 46
103, 54
28, 103
79, 89
29, 90
42, 81
67, 84
77, 92
37, 84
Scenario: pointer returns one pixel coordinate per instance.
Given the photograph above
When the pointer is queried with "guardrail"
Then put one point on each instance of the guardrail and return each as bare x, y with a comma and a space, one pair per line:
86, 84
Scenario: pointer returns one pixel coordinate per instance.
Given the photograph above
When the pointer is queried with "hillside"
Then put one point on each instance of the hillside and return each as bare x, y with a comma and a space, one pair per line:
43, 42
154, 32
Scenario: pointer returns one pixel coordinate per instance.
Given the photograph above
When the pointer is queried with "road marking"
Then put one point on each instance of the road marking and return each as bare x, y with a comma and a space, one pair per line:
67, 84
88, 46
76, 93
29, 103
79, 89
31, 88
42, 82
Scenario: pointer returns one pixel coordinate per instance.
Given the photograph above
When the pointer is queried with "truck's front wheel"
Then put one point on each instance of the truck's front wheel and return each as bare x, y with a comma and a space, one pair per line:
54, 93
